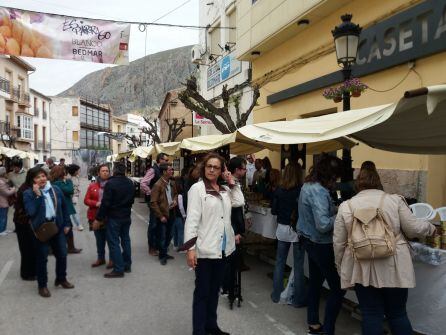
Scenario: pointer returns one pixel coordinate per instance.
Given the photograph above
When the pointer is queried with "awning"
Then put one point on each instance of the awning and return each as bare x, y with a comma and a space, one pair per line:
411, 125
10, 152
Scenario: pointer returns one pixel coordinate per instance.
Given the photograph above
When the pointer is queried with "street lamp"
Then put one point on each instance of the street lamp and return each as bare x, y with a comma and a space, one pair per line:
346, 38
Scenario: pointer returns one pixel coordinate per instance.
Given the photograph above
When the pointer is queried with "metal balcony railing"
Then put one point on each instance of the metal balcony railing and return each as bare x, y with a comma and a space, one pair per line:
5, 85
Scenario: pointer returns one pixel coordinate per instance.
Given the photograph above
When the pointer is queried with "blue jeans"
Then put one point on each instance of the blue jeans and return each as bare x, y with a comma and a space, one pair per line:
3, 219
101, 241
178, 232
59, 246
300, 291
209, 275
152, 231
164, 236
375, 303
116, 232
322, 267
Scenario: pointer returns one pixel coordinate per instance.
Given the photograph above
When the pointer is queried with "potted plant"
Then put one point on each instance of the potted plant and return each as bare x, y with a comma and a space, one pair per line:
354, 86
334, 93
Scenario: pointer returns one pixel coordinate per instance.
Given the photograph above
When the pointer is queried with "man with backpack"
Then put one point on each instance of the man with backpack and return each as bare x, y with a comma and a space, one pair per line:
153, 174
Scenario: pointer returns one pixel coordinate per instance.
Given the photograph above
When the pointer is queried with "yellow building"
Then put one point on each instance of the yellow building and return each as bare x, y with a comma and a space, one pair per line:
119, 126
403, 47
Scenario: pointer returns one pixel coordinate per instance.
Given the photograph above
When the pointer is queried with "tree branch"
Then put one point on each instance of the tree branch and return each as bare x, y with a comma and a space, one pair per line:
244, 117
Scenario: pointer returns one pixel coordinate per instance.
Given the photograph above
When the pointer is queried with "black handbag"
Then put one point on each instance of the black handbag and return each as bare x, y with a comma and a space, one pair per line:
48, 229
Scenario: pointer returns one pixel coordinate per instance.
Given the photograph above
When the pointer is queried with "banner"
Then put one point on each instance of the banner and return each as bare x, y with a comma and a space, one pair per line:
199, 120
225, 68
32, 34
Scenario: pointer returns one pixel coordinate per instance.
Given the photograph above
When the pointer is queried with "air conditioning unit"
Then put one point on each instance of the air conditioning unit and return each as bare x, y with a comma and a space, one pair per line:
195, 54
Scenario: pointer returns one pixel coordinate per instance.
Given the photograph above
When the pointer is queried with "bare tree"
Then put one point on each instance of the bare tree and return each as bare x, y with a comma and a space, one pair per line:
175, 127
219, 116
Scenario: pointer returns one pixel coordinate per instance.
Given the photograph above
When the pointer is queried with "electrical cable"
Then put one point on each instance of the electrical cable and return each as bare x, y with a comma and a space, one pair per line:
123, 21
393, 87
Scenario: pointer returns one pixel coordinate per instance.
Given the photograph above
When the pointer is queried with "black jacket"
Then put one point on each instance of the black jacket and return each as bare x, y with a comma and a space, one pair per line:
238, 220
117, 200
285, 205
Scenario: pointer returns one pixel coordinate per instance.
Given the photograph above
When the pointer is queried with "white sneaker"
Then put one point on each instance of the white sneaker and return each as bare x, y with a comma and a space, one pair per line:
4, 234
80, 228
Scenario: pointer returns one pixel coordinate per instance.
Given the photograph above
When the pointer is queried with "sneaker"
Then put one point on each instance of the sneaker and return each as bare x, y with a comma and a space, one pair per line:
80, 228
316, 331
3, 233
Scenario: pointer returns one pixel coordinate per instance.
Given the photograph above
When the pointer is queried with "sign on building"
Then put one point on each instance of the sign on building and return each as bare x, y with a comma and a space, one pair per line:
199, 120
33, 34
222, 70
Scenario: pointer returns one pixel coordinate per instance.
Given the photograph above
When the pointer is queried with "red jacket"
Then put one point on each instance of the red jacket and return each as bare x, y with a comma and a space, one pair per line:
91, 199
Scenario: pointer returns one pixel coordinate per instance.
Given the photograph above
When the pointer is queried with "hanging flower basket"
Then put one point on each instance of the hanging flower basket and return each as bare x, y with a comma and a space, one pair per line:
333, 93
354, 86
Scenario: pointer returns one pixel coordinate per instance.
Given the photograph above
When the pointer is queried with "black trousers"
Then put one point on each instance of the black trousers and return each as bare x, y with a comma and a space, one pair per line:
233, 263
27, 247
209, 275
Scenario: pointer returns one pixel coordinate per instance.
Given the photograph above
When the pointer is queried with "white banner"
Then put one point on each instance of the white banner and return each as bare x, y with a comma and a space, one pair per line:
199, 120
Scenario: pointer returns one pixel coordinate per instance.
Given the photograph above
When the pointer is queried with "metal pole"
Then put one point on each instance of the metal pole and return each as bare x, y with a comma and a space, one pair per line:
346, 153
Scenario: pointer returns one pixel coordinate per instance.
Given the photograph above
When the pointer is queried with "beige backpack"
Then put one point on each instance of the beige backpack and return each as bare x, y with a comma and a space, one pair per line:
370, 236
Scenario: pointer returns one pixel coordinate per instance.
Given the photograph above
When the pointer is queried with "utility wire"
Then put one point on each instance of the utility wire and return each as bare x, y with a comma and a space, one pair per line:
129, 22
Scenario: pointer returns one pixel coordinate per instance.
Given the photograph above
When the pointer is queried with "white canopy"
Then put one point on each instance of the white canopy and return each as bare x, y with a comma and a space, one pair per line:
10, 152
411, 125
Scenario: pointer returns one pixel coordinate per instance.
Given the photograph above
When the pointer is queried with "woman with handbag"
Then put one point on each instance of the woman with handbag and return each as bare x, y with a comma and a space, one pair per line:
92, 200
284, 205
50, 221
210, 239
381, 283
5, 192
58, 177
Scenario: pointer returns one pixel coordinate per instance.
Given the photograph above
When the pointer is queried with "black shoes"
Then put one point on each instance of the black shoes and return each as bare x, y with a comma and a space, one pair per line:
316, 331
114, 274
163, 261
169, 257
128, 270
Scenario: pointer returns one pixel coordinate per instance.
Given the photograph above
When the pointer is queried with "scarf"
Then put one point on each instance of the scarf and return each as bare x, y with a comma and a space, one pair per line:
101, 188
50, 212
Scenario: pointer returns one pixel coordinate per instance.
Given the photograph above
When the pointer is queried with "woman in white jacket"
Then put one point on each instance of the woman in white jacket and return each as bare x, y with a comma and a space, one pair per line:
210, 239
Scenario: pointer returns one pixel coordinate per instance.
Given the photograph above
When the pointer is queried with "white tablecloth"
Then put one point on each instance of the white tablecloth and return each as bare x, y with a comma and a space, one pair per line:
263, 222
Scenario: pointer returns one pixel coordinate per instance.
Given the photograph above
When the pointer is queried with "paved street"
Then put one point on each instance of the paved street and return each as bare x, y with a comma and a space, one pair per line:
151, 300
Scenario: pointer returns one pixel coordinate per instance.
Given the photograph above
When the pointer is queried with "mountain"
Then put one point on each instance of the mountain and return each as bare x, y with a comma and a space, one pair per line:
128, 88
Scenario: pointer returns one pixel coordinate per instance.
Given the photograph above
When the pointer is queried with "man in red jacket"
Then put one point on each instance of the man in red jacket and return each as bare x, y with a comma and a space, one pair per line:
93, 199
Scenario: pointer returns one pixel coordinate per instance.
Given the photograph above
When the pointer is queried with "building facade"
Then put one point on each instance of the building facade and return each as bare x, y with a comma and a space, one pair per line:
40, 105
119, 126
215, 56
15, 115
402, 47
172, 108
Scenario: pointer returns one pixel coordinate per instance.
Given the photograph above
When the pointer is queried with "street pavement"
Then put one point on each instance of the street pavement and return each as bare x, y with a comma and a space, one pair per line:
153, 299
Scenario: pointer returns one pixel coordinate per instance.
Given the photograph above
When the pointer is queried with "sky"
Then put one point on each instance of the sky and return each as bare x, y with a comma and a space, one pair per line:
54, 76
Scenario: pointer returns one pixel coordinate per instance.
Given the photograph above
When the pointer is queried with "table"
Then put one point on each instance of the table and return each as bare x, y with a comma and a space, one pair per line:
263, 222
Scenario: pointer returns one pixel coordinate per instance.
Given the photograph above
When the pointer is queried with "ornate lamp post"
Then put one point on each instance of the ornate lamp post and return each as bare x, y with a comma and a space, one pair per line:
346, 38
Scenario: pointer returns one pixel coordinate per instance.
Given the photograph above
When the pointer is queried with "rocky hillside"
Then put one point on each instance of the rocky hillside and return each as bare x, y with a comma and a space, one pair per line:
128, 88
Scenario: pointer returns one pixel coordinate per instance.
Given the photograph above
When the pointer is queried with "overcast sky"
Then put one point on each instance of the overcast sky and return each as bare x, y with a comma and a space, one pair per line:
54, 76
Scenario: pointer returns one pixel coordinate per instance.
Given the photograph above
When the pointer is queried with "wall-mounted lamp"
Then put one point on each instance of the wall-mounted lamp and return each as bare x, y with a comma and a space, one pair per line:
303, 22
255, 54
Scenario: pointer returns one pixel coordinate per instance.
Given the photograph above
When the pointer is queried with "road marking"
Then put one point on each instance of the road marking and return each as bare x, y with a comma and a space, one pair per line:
139, 216
280, 327
5, 271
270, 319
253, 305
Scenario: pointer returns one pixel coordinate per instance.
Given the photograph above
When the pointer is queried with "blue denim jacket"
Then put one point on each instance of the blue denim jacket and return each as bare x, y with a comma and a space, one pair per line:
317, 213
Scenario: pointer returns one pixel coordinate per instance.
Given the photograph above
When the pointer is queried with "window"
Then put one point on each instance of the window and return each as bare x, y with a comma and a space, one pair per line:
24, 123
75, 136
215, 40
119, 128
74, 111
232, 22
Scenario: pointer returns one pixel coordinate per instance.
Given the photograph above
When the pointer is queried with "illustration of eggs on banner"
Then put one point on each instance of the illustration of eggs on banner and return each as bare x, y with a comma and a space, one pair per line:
32, 34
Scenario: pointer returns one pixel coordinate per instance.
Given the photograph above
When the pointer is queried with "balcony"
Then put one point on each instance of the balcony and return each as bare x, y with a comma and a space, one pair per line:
24, 99
5, 128
4, 87
14, 95
23, 134
36, 111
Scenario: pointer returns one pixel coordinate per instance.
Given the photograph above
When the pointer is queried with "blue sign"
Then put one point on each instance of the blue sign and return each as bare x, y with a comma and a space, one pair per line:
222, 70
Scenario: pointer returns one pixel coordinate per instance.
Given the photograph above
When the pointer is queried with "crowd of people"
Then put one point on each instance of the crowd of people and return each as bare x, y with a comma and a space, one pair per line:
204, 212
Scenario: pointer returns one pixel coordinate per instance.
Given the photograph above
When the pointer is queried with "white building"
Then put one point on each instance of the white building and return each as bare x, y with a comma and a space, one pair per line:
134, 126
40, 105
216, 57
65, 127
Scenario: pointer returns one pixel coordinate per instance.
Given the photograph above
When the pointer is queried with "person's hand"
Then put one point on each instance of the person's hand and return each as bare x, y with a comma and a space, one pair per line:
227, 176
238, 238
191, 259
96, 225
66, 230
163, 219
98, 204
36, 190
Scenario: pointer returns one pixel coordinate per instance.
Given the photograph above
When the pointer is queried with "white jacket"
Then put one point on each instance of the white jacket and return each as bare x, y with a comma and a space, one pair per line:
209, 217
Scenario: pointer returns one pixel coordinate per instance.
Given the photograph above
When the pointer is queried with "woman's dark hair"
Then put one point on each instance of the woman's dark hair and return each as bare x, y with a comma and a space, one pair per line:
179, 184
17, 163
266, 164
292, 176
274, 179
368, 178
236, 163
325, 171
57, 173
207, 158
72, 169
33, 173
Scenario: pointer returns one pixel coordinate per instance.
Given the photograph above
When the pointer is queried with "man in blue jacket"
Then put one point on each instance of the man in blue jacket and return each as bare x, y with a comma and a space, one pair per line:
115, 213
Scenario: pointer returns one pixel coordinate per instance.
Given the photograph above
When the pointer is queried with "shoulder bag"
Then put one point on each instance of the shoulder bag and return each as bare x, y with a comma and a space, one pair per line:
48, 229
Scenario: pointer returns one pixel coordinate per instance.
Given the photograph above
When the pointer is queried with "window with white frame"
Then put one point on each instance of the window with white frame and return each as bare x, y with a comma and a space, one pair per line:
25, 126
